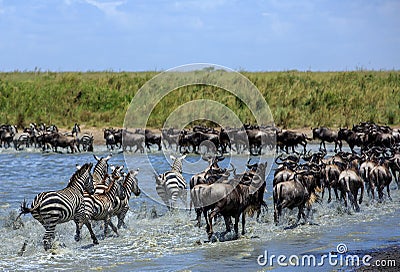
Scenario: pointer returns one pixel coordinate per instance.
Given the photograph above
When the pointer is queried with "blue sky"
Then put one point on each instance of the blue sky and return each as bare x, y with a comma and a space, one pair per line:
142, 35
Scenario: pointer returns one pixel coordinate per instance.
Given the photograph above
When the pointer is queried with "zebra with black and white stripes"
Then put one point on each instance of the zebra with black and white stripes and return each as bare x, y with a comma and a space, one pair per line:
129, 186
100, 172
171, 185
101, 206
86, 140
56, 207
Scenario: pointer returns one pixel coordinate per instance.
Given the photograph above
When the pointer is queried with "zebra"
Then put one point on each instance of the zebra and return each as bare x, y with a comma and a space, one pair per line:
100, 170
56, 207
171, 184
20, 139
122, 204
100, 174
76, 129
86, 140
101, 206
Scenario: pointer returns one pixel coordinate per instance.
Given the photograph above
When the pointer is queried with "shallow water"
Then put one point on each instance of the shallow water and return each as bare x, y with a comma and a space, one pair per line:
158, 240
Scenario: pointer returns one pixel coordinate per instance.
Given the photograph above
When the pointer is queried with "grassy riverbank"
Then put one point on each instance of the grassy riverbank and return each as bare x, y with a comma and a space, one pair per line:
296, 99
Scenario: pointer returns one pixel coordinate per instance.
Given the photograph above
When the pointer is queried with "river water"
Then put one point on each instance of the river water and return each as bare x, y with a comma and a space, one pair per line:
158, 240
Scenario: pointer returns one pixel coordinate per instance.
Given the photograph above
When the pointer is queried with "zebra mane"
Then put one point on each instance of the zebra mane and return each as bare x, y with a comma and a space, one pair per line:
79, 173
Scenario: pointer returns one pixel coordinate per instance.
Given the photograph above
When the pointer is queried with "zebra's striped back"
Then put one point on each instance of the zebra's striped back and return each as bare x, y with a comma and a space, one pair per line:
171, 185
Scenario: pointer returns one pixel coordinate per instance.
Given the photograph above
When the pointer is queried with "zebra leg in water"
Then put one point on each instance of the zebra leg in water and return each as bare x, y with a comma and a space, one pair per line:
121, 217
79, 225
48, 236
108, 222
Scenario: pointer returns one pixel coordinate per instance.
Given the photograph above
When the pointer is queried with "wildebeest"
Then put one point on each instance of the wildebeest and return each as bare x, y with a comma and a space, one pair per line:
394, 165
132, 139
213, 173
171, 137
352, 138
349, 184
224, 141
287, 138
327, 135
231, 198
195, 139
239, 139
380, 177
286, 168
59, 140
113, 137
365, 171
212, 169
297, 192
152, 138
331, 180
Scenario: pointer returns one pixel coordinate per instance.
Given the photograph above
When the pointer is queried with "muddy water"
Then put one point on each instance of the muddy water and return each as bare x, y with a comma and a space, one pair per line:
158, 240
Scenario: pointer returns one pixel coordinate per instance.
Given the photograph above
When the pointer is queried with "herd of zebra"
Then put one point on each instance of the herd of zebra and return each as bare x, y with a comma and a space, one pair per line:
45, 137
88, 196
99, 196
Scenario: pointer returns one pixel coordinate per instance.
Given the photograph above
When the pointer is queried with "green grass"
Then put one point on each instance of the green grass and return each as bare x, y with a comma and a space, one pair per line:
296, 99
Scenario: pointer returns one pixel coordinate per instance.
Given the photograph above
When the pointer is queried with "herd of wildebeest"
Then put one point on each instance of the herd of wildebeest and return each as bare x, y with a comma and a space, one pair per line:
299, 178
199, 139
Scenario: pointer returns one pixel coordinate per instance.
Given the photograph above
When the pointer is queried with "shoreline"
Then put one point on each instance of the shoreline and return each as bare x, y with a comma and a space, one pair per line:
382, 259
